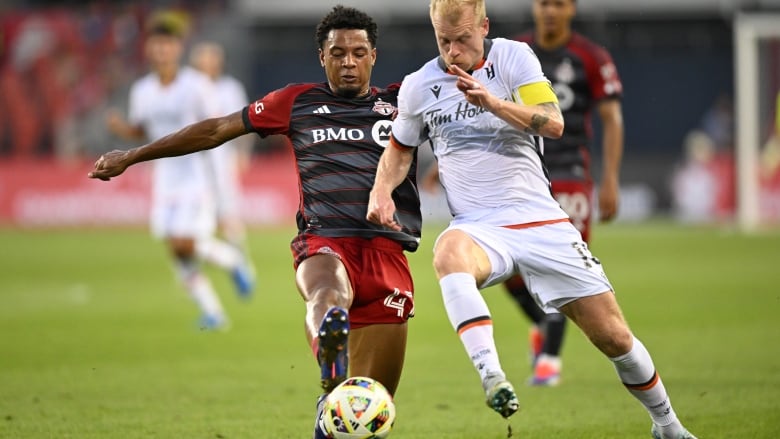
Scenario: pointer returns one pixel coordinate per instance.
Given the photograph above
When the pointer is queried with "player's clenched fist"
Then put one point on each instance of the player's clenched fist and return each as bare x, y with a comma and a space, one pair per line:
109, 165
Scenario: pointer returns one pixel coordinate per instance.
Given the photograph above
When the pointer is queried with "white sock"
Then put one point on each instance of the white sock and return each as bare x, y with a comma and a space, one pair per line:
219, 253
199, 288
638, 374
470, 317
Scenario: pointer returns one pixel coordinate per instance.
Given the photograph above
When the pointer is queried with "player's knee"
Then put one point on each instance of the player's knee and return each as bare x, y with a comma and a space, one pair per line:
452, 254
328, 296
614, 342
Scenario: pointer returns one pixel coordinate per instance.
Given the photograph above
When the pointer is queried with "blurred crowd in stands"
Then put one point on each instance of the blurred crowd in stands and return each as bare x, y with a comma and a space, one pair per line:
62, 65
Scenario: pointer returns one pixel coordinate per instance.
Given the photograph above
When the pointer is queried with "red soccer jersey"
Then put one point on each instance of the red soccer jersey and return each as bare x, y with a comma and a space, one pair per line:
337, 143
582, 73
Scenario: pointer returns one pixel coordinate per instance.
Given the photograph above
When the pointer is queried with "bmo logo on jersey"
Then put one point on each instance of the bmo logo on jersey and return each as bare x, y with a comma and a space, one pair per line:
337, 134
380, 133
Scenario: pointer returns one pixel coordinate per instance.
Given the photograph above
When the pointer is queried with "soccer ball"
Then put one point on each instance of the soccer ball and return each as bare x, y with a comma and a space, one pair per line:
359, 408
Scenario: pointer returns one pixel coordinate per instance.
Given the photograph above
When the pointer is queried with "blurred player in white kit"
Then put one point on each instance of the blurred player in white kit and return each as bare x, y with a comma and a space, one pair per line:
184, 202
232, 158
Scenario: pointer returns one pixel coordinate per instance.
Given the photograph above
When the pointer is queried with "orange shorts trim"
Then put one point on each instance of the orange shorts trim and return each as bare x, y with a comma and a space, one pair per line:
536, 224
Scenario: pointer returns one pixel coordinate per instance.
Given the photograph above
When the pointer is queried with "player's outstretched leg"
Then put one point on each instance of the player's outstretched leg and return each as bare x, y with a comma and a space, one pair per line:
332, 347
332, 355
501, 395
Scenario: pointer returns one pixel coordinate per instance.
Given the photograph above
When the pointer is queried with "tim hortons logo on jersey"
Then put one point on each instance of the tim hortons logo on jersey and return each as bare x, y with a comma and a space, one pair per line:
465, 110
384, 108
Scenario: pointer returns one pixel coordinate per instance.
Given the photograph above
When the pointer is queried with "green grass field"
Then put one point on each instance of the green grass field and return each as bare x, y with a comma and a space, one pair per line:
97, 341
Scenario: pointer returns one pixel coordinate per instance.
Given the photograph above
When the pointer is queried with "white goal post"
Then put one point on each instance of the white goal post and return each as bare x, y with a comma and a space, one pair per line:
750, 30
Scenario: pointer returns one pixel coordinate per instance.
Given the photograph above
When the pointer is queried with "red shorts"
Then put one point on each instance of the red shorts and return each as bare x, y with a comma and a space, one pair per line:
378, 273
576, 199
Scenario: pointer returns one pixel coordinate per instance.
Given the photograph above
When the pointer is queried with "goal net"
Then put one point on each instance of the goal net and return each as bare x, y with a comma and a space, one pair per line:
757, 89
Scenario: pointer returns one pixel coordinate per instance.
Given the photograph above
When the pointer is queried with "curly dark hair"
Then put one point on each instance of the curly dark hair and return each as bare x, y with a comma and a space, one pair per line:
342, 17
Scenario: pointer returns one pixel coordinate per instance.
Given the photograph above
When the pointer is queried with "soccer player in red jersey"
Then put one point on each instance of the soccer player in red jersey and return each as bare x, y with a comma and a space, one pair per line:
585, 79
352, 274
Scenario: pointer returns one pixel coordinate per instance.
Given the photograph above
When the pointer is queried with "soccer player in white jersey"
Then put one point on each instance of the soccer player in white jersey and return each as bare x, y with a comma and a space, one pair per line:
183, 211
485, 106
232, 157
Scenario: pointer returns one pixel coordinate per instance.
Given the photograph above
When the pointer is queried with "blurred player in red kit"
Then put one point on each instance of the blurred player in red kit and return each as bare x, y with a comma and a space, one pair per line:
585, 79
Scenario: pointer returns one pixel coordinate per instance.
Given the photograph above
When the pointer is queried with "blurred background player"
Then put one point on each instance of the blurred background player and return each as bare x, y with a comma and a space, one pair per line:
352, 274
183, 206
232, 158
584, 78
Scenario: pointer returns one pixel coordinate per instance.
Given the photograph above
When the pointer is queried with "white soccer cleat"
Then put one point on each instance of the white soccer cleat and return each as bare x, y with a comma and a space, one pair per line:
501, 395
684, 434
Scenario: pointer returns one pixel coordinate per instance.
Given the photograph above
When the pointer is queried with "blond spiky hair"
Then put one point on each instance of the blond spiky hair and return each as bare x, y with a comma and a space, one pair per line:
452, 9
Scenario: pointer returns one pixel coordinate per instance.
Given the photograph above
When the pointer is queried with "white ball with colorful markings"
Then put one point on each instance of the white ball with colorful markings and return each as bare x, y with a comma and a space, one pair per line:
359, 408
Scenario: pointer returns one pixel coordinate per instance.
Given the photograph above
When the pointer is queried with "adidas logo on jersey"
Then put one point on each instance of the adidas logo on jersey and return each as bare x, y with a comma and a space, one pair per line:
322, 110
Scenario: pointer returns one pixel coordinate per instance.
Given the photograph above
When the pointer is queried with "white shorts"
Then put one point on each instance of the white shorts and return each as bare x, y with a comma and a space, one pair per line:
553, 260
183, 217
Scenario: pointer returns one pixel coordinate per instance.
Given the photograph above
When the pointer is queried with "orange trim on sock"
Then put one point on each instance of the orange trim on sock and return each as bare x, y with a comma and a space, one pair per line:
474, 325
645, 386
536, 223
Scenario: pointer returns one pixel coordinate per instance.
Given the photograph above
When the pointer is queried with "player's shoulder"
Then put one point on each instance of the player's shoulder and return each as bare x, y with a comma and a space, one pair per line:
503, 47
302, 87
297, 91
388, 91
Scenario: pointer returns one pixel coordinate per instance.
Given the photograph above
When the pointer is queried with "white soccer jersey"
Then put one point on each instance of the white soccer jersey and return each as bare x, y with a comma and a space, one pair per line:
492, 172
163, 109
232, 97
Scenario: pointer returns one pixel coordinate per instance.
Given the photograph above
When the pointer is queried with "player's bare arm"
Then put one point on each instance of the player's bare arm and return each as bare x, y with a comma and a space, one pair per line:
611, 115
543, 118
392, 169
199, 136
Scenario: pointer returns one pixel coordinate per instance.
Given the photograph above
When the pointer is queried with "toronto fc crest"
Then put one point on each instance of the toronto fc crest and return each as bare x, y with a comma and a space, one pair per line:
384, 108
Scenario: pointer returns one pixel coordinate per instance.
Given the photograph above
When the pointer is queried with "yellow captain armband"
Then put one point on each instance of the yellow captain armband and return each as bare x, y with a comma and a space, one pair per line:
536, 93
